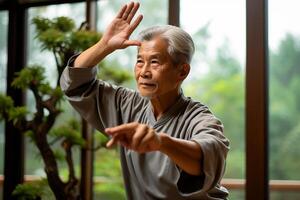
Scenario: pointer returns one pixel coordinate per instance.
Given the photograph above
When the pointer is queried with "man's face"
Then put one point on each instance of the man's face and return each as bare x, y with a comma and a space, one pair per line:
155, 74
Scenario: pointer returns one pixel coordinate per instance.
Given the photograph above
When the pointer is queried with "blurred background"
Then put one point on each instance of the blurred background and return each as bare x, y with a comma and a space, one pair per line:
217, 79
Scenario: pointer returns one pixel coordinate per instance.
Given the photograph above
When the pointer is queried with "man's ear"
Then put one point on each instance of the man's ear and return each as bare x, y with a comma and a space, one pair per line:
184, 71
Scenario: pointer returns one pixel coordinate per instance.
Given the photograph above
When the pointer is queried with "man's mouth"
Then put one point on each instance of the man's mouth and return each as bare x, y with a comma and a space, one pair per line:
146, 84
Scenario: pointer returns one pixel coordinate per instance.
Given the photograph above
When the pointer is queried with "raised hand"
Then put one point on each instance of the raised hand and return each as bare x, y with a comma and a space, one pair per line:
115, 37
118, 32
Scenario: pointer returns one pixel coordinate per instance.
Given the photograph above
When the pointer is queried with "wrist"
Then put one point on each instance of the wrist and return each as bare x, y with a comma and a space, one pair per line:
164, 141
102, 47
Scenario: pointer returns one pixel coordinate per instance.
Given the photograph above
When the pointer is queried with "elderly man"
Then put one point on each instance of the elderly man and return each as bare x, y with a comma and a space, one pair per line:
172, 147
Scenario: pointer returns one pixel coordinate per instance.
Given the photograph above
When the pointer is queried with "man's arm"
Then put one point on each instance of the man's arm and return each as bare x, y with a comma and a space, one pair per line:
187, 154
115, 37
141, 138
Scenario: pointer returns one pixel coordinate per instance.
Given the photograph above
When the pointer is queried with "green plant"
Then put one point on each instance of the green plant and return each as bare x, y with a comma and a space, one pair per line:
60, 37
33, 191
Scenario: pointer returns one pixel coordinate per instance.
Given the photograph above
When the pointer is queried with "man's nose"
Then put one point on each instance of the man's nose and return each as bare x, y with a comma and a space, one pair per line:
145, 71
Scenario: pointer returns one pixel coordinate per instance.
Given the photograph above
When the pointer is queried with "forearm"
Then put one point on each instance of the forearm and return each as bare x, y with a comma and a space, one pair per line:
186, 154
93, 55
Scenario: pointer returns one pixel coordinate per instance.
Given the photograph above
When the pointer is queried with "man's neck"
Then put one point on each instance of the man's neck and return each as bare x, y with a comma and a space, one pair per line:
162, 104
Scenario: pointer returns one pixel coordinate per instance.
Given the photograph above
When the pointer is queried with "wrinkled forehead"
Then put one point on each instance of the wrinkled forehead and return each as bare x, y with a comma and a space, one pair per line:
155, 45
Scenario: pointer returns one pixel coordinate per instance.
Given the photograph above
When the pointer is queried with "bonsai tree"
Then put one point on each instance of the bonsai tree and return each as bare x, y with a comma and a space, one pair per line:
60, 37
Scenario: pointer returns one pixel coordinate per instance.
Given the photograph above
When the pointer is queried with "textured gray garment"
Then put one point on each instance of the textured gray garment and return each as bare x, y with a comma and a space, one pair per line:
153, 175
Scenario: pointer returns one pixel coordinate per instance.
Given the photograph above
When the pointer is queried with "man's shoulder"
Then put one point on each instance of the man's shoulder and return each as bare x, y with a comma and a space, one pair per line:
195, 105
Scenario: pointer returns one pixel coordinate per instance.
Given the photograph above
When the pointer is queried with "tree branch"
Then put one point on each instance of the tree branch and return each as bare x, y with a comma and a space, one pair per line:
39, 107
67, 145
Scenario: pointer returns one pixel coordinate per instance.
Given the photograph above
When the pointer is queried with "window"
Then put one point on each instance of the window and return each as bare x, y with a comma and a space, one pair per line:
3, 64
284, 83
3, 49
217, 76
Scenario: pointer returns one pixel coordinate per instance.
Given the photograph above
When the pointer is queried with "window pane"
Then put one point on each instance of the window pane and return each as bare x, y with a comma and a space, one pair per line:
284, 83
155, 12
46, 59
3, 67
218, 69
274, 195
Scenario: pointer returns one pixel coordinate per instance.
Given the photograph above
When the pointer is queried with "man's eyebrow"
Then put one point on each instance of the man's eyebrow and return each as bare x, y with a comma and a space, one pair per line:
155, 55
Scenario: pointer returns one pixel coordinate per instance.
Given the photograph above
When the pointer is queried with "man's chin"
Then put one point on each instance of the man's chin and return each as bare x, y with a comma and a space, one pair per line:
147, 95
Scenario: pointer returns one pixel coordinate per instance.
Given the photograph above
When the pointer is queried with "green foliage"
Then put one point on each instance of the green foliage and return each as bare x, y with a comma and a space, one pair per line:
201, 36
59, 155
30, 135
41, 24
81, 40
236, 194
114, 73
284, 63
6, 104
110, 191
100, 139
59, 34
9, 112
33, 77
17, 114
30, 76
284, 109
27, 192
235, 166
60, 37
108, 168
63, 24
69, 131
53, 33
57, 92
33, 191
52, 39
225, 65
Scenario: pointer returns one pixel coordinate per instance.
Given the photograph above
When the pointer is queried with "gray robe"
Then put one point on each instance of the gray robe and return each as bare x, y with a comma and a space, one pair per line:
152, 175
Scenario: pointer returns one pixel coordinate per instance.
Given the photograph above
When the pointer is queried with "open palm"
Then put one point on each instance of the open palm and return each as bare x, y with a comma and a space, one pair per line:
118, 32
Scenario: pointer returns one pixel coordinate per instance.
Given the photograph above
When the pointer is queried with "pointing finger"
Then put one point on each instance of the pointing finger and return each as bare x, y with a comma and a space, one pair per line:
124, 128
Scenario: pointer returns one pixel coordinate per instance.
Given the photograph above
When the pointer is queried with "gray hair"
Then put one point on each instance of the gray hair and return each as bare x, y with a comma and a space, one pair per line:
180, 44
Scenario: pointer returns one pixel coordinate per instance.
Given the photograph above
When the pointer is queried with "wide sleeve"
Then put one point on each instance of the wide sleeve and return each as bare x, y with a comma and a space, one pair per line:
207, 131
97, 101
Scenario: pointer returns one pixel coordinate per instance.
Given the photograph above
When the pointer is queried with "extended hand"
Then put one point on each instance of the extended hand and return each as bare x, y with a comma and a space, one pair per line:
187, 154
135, 136
118, 32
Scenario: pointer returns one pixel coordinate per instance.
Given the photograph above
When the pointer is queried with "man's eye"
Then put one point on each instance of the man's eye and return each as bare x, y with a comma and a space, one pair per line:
154, 61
